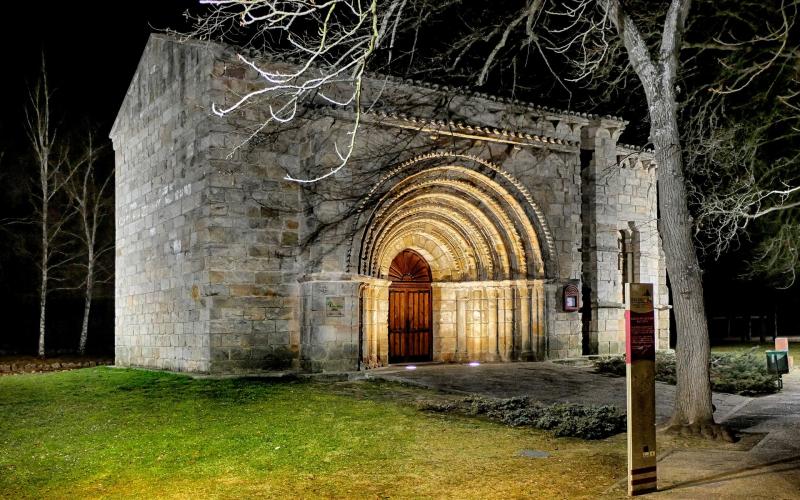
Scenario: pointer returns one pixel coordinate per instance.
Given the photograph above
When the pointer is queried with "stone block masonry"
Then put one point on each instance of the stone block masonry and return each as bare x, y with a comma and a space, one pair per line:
161, 144
206, 274
223, 266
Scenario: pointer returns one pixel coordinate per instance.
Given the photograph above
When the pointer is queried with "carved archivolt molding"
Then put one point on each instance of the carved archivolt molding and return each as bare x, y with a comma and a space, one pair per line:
482, 227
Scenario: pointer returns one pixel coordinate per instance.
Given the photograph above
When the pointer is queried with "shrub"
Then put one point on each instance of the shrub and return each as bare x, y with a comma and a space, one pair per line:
563, 419
665, 367
614, 365
742, 373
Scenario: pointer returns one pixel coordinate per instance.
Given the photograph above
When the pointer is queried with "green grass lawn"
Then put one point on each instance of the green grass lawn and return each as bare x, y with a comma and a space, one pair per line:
113, 433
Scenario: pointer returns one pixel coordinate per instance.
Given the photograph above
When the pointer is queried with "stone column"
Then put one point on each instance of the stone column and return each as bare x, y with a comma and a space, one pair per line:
524, 322
461, 326
492, 326
507, 323
537, 326
382, 322
372, 325
477, 330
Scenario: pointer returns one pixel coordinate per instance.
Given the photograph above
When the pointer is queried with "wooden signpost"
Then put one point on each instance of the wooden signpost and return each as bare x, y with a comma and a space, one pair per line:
640, 357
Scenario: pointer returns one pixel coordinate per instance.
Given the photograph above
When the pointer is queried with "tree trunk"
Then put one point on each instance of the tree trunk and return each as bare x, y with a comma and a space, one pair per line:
42, 309
693, 407
43, 289
87, 305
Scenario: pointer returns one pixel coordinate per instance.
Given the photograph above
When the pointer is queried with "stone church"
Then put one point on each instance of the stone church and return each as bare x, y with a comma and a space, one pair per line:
465, 227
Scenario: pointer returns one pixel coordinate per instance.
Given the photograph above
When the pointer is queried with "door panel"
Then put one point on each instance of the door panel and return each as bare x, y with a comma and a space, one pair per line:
410, 335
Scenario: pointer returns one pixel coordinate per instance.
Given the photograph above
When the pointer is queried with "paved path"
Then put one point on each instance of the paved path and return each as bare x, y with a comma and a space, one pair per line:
547, 382
769, 469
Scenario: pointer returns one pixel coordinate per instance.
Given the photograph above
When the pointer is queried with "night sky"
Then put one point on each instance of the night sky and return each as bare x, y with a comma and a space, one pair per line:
91, 54
91, 49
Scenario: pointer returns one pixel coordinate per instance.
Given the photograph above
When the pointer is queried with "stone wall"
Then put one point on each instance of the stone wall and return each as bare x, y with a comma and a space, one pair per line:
160, 141
225, 266
620, 238
253, 227
206, 239
330, 324
637, 200
554, 181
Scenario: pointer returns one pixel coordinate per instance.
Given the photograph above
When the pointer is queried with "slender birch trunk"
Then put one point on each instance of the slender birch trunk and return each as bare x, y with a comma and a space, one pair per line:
52, 178
44, 174
87, 305
90, 203
43, 291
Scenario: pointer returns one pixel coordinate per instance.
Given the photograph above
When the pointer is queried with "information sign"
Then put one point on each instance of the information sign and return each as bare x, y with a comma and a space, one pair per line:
640, 354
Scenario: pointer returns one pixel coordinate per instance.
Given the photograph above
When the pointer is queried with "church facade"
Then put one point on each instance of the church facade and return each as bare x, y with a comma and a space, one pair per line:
464, 227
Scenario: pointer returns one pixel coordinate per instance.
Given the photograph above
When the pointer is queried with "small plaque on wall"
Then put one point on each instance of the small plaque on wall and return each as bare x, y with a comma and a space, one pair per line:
334, 306
570, 298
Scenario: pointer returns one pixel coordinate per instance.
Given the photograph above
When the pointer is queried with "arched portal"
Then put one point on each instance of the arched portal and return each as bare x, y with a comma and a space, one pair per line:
410, 325
486, 249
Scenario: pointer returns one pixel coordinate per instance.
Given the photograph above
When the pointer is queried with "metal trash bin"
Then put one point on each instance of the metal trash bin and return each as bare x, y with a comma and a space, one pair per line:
777, 362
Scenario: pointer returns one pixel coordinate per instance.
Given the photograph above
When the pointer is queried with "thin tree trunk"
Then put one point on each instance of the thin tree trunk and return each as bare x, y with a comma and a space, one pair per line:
87, 305
42, 309
45, 251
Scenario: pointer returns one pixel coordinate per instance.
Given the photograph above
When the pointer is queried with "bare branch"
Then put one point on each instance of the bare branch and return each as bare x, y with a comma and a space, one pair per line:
333, 40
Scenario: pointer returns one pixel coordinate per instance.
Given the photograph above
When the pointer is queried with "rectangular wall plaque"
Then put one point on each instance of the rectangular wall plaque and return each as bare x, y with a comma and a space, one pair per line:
334, 306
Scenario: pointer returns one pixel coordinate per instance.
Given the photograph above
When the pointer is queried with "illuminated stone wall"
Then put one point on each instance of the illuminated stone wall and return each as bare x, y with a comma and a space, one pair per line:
161, 174
620, 216
506, 201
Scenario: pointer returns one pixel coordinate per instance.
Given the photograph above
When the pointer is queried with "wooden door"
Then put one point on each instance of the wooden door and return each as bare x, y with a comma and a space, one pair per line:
410, 333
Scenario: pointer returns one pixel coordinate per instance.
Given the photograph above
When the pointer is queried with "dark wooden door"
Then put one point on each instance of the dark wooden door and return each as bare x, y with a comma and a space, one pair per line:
410, 333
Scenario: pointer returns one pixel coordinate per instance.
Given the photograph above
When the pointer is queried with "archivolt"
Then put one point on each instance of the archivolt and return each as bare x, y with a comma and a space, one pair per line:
469, 223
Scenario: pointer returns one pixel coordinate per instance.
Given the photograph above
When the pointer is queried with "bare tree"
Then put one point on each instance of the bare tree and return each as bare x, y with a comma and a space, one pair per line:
658, 75
602, 36
742, 134
92, 205
604, 42
52, 176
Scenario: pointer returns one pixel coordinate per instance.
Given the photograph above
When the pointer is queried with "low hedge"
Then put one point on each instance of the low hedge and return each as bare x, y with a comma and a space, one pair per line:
742, 373
562, 419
